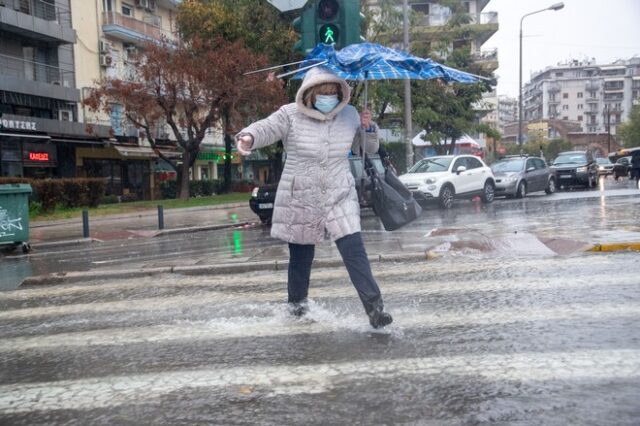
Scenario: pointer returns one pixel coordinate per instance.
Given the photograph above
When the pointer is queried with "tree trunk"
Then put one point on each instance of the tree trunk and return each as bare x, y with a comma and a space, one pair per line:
228, 144
184, 178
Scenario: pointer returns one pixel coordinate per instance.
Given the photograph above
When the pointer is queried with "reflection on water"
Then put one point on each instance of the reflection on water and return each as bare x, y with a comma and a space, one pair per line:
14, 271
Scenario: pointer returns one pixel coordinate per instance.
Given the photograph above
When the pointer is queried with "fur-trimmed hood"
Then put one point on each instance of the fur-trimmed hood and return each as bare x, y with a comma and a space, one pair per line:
314, 77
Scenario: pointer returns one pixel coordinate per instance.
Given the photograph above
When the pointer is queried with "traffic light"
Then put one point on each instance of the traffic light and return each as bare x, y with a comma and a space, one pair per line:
305, 26
335, 22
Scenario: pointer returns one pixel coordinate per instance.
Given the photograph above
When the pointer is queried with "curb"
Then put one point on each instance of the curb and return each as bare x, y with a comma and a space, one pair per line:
199, 228
271, 265
148, 212
63, 243
615, 247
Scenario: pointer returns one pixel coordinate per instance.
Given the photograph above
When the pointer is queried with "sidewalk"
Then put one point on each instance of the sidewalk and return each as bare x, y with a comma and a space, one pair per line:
142, 224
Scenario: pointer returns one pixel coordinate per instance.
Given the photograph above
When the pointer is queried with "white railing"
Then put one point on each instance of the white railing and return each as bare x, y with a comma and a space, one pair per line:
141, 27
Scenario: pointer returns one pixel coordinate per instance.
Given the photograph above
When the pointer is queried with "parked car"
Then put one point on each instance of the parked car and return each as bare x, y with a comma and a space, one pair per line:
516, 176
605, 166
622, 168
448, 177
575, 168
263, 197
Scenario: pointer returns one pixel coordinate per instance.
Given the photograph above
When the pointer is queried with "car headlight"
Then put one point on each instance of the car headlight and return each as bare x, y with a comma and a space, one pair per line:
430, 181
581, 169
254, 193
511, 179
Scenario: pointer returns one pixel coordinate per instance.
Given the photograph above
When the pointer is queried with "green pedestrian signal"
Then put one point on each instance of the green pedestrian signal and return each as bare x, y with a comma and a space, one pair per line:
329, 34
334, 22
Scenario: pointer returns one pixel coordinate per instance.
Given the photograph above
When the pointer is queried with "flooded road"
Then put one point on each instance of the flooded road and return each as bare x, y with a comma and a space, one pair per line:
477, 339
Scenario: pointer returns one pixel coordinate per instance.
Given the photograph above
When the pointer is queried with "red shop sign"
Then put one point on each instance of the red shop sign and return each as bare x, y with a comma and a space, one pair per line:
39, 156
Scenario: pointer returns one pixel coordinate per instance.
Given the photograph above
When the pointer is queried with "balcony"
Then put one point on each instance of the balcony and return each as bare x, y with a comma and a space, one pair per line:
37, 19
488, 59
481, 26
132, 30
592, 100
553, 88
592, 86
37, 78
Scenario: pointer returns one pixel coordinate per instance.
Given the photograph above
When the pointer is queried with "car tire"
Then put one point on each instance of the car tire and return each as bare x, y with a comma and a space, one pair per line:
521, 192
551, 187
616, 177
488, 192
265, 219
447, 194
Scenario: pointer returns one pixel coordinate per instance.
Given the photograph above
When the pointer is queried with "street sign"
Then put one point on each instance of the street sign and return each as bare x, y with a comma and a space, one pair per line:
287, 5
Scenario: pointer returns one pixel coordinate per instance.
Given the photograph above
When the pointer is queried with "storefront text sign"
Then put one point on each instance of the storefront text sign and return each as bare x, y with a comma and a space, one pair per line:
18, 125
39, 156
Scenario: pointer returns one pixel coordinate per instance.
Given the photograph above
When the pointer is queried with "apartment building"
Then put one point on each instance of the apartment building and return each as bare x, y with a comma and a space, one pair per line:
40, 124
599, 97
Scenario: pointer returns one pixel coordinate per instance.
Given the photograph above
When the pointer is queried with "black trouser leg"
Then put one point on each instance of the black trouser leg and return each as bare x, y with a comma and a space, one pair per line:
300, 260
353, 254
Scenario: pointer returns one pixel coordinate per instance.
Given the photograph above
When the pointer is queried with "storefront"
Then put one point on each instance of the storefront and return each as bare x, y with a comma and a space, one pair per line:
210, 165
126, 170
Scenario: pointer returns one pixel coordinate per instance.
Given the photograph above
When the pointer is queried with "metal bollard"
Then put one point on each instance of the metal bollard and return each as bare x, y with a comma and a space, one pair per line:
85, 223
160, 217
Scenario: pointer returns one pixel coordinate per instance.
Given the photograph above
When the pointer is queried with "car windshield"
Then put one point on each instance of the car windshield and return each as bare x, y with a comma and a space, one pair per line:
603, 160
623, 160
431, 165
570, 159
508, 166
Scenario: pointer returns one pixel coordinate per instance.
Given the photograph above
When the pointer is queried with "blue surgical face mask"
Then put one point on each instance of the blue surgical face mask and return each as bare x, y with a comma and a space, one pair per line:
326, 103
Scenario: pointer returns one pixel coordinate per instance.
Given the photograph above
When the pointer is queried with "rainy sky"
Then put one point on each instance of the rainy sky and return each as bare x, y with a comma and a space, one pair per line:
605, 31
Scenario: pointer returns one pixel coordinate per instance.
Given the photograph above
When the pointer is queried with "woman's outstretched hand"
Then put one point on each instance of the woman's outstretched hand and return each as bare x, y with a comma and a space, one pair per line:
244, 143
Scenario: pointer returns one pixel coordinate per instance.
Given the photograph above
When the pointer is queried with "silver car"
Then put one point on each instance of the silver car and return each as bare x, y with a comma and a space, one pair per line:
516, 176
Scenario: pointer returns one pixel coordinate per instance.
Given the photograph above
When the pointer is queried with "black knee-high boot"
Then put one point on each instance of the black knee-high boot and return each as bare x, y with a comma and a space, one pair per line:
300, 260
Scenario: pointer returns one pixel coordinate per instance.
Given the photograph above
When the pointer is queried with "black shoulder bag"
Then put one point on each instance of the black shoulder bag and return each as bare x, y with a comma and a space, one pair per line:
392, 202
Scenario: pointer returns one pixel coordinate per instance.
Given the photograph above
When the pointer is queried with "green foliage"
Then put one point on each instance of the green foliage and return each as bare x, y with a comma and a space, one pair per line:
629, 132
67, 193
397, 155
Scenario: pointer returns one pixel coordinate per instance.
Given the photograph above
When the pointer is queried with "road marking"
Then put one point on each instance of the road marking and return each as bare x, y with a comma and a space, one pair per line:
279, 323
110, 391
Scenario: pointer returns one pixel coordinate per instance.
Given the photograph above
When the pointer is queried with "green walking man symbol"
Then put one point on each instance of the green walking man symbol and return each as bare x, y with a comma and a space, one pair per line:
328, 36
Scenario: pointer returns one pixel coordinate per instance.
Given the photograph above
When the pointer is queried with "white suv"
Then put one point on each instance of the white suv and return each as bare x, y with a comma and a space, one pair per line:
446, 177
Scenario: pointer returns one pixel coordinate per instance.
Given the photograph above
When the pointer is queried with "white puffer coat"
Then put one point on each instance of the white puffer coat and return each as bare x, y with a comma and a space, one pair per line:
316, 190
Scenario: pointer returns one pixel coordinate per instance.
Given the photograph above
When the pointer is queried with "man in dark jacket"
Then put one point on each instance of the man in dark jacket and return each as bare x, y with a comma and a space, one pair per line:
635, 166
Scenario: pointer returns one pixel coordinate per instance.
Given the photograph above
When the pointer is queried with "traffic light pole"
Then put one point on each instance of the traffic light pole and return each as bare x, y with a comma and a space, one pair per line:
407, 91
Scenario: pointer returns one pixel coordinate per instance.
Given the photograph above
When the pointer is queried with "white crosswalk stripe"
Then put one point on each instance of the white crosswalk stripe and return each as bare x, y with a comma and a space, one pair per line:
441, 309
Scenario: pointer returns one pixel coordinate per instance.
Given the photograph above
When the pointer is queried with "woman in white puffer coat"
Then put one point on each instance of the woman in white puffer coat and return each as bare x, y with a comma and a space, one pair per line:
317, 190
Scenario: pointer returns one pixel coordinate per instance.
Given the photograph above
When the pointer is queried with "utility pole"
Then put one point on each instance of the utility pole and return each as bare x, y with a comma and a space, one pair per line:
607, 109
407, 90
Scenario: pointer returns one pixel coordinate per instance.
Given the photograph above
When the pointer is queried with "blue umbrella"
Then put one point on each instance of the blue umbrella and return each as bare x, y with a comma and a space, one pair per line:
370, 61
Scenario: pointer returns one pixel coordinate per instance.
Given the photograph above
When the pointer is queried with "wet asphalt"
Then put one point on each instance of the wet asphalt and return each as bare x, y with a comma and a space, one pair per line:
477, 339
510, 323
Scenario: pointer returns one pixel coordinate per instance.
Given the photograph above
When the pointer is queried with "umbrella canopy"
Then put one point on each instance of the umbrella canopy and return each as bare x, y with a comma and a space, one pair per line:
370, 61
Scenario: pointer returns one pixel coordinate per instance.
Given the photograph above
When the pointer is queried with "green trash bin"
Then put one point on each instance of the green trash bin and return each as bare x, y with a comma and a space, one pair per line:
14, 215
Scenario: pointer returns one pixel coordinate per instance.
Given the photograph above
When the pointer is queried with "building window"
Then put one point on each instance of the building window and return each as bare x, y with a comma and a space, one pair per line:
579, 106
565, 107
579, 118
565, 96
579, 94
127, 10
421, 7
466, 6
592, 95
559, 74
565, 118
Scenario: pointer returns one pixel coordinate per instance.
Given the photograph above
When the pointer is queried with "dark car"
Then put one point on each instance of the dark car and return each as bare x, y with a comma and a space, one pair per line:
575, 168
605, 166
622, 168
263, 197
516, 176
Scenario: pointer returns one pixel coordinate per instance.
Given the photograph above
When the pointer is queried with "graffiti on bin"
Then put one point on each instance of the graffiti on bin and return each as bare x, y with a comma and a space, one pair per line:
8, 225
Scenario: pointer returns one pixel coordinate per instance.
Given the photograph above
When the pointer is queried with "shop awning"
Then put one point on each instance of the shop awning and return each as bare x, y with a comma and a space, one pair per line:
143, 152
80, 141
171, 154
22, 135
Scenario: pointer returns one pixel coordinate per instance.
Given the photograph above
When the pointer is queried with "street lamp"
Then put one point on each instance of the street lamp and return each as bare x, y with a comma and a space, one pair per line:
556, 6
